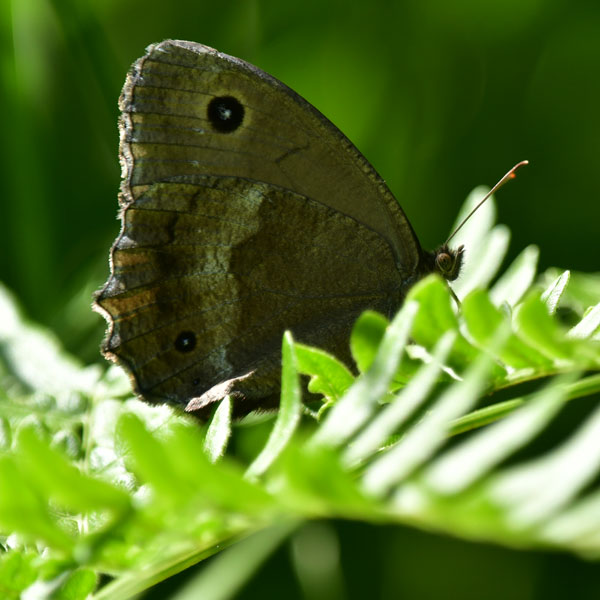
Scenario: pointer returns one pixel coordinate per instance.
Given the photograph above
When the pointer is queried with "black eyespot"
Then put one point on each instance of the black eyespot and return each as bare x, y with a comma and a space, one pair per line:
225, 113
185, 342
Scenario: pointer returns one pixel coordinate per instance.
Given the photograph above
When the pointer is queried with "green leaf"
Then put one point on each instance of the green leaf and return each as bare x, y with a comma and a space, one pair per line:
490, 414
517, 279
588, 326
418, 444
580, 291
179, 471
328, 376
24, 508
554, 292
435, 317
375, 435
474, 458
17, 572
483, 319
536, 327
147, 457
5, 434
359, 403
78, 586
485, 245
560, 474
219, 430
482, 262
290, 410
313, 482
61, 481
367, 333
133, 491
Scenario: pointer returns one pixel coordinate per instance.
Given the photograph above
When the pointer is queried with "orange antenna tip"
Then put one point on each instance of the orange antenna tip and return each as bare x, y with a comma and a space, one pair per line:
510, 175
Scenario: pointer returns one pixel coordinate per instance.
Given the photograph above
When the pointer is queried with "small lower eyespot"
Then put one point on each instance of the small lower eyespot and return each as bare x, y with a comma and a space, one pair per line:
185, 342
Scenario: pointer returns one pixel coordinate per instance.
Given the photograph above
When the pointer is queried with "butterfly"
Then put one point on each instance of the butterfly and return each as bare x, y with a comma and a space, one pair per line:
245, 212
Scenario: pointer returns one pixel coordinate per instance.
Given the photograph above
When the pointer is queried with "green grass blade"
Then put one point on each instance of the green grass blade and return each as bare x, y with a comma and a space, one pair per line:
219, 430
554, 292
588, 326
289, 413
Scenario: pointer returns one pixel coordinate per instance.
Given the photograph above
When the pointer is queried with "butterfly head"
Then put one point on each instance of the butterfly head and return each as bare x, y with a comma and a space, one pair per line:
448, 261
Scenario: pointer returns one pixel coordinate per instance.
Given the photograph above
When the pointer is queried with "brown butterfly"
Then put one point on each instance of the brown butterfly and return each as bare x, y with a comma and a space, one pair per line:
245, 212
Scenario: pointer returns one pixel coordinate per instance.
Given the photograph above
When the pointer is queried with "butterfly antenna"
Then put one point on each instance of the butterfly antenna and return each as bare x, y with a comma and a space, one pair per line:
510, 175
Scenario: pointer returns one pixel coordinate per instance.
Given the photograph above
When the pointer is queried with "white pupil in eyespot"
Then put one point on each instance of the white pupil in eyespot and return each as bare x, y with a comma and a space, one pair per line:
224, 113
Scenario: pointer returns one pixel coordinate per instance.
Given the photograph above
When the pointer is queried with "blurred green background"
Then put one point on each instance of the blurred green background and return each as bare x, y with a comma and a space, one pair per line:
440, 96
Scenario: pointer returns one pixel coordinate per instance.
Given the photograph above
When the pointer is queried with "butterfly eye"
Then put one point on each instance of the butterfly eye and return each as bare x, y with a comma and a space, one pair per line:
448, 262
443, 263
